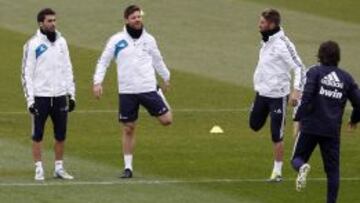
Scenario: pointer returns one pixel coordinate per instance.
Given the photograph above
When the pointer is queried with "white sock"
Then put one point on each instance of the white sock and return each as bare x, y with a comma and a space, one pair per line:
38, 164
58, 165
278, 167
128, 161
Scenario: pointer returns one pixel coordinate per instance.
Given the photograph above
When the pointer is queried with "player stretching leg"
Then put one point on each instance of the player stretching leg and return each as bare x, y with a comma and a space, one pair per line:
272, 78
137, 57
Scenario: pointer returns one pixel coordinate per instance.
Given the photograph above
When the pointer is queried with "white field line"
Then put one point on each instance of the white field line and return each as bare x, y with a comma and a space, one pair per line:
154, 182
100, 111
185, 110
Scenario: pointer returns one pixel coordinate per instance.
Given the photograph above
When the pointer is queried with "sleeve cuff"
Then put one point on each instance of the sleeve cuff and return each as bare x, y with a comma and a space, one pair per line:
355, 116
30, 102
72, 97
298, 87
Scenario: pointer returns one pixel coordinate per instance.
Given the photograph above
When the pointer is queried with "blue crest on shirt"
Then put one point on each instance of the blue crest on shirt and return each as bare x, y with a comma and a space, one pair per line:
122, 44
40, 50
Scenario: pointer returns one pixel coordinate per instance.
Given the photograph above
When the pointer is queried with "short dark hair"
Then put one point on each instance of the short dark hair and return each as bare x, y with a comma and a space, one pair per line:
43, 13
130, 10
272, 15
329, 53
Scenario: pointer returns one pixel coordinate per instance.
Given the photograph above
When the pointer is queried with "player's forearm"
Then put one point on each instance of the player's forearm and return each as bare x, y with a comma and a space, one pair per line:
70, 81
99, 74
103, 64
28, 67
159, 65
306, 100
299, 78
28, 91
27, 84
298, 85
355, 116
71, 90
164, 72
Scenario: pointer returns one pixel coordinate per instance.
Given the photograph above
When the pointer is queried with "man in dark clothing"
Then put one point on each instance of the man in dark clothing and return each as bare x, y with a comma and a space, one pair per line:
326, 92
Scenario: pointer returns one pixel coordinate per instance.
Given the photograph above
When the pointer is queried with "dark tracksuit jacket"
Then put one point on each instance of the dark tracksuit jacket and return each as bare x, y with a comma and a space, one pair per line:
326, 92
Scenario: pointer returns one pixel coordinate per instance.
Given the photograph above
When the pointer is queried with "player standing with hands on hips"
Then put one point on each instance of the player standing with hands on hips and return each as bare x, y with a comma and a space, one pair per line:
49, 88
137, 57
320, 113
272, 79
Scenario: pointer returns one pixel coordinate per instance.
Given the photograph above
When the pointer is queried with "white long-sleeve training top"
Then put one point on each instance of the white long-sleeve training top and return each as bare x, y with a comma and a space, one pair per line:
277, 58
46, 68
137, 61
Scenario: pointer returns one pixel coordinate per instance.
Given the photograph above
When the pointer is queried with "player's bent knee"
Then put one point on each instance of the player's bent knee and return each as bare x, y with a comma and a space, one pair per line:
166, 122
255, 126
166, 119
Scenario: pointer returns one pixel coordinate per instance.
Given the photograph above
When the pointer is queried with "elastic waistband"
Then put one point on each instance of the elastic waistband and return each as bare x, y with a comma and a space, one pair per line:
57, 97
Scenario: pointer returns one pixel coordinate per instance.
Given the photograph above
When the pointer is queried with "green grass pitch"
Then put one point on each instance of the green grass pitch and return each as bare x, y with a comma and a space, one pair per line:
211, 47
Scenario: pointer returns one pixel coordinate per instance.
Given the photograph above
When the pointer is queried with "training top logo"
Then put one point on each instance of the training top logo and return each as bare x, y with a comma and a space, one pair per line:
40, 50
331, 80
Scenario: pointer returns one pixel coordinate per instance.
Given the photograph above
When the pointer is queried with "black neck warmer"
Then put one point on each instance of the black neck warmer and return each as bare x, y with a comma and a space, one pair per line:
266, 34
50, 35
134, 33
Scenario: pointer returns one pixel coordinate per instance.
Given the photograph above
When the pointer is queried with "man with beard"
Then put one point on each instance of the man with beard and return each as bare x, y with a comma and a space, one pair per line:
137, 57
272, 79
49, 88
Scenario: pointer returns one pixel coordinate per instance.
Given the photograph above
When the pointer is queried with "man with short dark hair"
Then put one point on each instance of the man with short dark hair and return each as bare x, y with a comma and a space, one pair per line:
49, 88
320, 113
138, 58
272, 79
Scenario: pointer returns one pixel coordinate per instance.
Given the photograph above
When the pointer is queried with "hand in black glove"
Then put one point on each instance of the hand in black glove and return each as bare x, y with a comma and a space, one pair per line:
72, 104
33, 110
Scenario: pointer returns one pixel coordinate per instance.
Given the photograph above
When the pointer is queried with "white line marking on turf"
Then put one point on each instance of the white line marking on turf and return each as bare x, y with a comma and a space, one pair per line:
186, 110
154, 182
